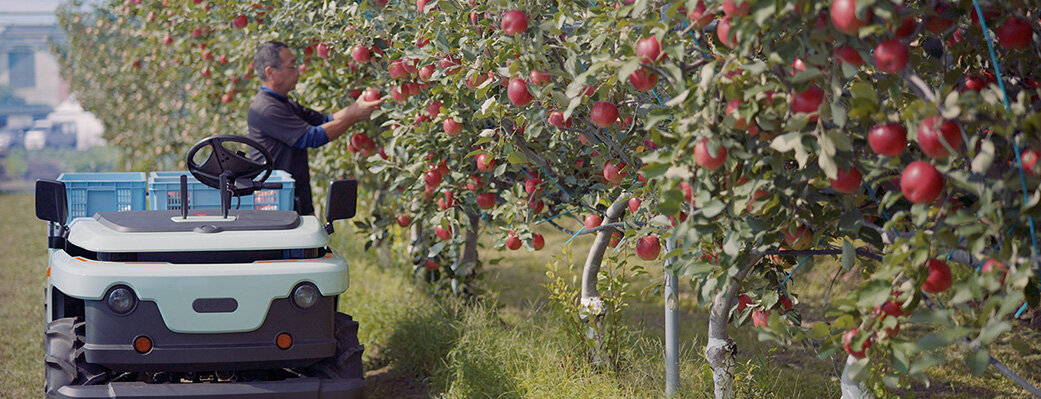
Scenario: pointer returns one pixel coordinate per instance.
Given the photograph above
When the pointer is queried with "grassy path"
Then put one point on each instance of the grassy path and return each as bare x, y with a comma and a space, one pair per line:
507, 344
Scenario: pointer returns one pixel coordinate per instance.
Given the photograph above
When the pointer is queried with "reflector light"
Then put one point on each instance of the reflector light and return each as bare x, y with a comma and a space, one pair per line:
283, 341
142, 344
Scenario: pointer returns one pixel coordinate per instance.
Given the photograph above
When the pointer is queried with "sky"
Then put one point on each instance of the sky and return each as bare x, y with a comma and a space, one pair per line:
33, 12
22, 6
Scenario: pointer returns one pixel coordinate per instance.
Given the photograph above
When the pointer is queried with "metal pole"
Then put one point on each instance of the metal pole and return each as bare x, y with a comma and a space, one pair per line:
672, 340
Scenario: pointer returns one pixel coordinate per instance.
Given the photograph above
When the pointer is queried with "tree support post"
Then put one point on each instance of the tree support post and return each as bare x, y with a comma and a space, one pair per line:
672, 339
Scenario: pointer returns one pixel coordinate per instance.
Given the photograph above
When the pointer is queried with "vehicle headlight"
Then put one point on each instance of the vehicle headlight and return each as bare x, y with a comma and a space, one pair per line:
121, 300
305, 296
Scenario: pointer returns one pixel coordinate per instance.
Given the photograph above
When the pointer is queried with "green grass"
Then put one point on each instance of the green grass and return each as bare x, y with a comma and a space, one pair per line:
23, 268
421, 342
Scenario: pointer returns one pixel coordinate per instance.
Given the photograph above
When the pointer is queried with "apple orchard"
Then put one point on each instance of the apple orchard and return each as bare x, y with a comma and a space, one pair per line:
750, 134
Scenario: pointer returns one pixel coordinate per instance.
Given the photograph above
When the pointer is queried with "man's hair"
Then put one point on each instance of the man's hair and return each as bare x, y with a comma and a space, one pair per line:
268, 55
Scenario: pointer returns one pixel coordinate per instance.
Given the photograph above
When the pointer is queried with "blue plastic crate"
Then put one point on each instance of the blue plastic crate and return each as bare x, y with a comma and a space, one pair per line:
164, 192
89, 193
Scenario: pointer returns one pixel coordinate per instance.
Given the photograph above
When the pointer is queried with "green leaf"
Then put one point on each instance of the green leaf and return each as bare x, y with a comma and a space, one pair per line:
984, 158
978, 361
932, 341
713, 208
874, 293
849, 255
990, 332
926, 362
628, 68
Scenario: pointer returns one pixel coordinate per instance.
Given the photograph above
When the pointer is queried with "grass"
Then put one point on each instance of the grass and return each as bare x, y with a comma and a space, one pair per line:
23, 265
421, 342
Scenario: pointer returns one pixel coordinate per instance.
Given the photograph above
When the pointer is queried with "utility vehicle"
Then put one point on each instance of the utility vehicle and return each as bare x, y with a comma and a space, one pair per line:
199, 303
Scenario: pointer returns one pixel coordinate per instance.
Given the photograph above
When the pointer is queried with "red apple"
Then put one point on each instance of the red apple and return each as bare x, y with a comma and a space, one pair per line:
604, 114
704, 158
844, 16
592, 221
992, 265
643, 79
723, 33
930, 132
846, 181
742, 302
447, 202
889, 139
475, 184
1029, 159
1015, 33
732, 108
167, 39
512, 241
786, 302
648, 248
514, 22
396, 70
616, 237
634, 204
443, 233
371, 94
808, 101
649, 50
760, 318
890, 308
485, 163
486, 200
360, 54
240, 21
323, 51
426, 72
612, 171
531, 185
432, 177
921, 183
452, 127
938, 24
518, 93
891, 56
537, 241
938, 279
431, 265
698, 16
733, 10
227, 98
556, 118
539, 78
404, 220
433, 109
421, 5
802, 238
536, 205
848, 343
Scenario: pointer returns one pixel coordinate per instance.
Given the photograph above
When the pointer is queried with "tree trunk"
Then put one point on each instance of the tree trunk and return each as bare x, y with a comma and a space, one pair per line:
721, 349
592, 307
467, 263
852, 389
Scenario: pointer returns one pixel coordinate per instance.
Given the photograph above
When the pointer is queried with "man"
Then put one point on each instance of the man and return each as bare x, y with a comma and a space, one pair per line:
286, 128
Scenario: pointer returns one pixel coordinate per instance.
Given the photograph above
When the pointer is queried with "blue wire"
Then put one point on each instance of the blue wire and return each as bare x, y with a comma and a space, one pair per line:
576, 235
1015, 145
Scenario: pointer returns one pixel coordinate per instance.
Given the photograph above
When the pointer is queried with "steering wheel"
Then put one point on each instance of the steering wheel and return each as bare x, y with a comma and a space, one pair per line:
235, 164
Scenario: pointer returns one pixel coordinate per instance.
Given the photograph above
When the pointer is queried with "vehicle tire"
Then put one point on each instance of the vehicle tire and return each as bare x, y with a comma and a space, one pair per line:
64, 358
346, 363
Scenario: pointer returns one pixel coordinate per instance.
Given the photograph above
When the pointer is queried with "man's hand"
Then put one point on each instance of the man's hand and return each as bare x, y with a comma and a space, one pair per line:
360, 110
349, 115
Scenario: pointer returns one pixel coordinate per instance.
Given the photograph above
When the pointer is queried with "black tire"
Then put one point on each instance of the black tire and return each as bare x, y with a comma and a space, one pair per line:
346, 363
64, 358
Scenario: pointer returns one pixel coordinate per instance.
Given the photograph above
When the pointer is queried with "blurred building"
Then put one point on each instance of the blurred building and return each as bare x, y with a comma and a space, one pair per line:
35, 106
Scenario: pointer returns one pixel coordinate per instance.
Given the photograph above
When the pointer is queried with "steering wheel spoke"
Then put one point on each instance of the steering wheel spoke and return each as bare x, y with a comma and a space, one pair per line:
235, 164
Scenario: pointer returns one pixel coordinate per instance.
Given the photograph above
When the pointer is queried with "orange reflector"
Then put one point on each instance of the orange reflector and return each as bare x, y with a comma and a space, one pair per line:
48, 271
283, 341
142, 344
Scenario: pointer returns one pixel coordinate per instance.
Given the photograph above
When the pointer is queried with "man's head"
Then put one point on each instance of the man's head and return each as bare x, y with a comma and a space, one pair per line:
276, 67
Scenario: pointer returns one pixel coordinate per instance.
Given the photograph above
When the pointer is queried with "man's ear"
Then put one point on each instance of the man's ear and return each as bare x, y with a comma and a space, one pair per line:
266, 77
